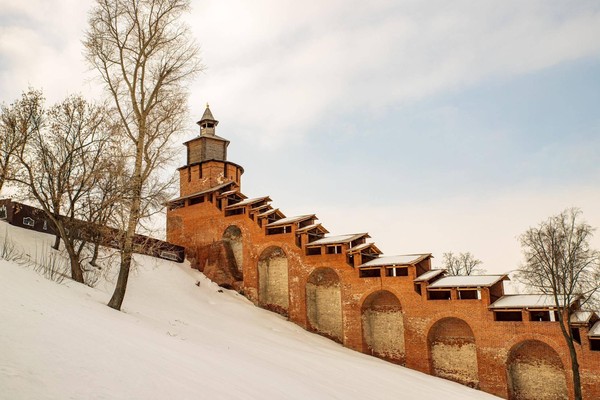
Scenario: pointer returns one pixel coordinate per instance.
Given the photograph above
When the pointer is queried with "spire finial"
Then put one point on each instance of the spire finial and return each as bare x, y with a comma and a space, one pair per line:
207, 106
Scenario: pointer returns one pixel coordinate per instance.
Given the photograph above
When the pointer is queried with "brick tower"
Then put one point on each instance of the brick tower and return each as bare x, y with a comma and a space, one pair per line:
206, 165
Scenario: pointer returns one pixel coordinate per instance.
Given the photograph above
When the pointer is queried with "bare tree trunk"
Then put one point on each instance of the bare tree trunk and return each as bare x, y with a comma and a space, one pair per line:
76, 271
566, 332
575, 368
573, 355
95, 255
2, 179
127, 253
145, 56
56, 244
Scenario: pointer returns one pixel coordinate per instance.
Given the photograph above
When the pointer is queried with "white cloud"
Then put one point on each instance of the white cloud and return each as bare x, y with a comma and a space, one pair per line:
40, 46
283, 66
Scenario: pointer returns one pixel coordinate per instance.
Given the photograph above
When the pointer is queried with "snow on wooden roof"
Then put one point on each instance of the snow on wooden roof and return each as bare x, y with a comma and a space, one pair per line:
338, 239
230, 192
269, 212
526, 301
364, 246
248, 202
581, 317
291, 220
595, 331
407, 259
467, 281
212, 189
311, 227
429, 275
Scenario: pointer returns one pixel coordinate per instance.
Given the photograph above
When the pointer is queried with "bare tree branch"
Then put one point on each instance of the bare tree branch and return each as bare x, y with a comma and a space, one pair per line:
559, 262
145, 56
461, 264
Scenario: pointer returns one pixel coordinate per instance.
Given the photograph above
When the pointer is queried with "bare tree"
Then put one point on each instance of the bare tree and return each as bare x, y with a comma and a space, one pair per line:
61, 163
461, 264
145, 56
560, 262
17, 121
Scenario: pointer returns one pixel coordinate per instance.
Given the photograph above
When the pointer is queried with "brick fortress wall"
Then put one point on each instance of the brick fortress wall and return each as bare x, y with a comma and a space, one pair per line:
384, 311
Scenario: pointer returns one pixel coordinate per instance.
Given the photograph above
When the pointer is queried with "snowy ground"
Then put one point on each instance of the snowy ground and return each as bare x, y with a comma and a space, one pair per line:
175, 340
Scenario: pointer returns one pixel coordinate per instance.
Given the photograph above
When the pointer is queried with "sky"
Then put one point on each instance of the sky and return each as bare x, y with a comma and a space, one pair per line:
434, 126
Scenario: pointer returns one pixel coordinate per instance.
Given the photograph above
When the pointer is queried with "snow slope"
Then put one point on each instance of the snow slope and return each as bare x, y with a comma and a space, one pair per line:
175, 340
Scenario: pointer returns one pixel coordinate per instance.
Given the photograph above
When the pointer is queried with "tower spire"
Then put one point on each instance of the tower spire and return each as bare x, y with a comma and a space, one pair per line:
207, 123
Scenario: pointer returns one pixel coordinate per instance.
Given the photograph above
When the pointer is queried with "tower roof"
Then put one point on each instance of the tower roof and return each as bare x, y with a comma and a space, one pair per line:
207, 116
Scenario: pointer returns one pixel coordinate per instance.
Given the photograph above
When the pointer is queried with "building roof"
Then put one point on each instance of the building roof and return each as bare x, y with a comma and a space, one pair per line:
248, 202
338, 239
473, 281
407, 259
227, 193
364, 246
311, 227
269, 212
204, 137
207, 116
291, 220
429, 275
212, 189
526, 301
581, 317
595, 331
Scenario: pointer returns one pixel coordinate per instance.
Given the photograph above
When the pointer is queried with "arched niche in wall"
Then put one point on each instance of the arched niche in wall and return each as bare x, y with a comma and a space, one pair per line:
535, 371
273, 293
233, 239
383, 326
324, 303
453, 352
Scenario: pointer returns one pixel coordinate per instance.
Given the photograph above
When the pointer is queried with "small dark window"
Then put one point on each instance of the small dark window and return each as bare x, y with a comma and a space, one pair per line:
396, 271
468, 294
279, 230
196, 200
313, 251
235, 211
576, 335
508, 316
337, 249
595, 344
3, 212
350, 259
370, 273
368, 257
418, 288
539, 316
28, 221
439, 294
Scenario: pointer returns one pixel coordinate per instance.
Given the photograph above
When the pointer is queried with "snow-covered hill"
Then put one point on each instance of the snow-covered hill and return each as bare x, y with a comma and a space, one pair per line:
174, 340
